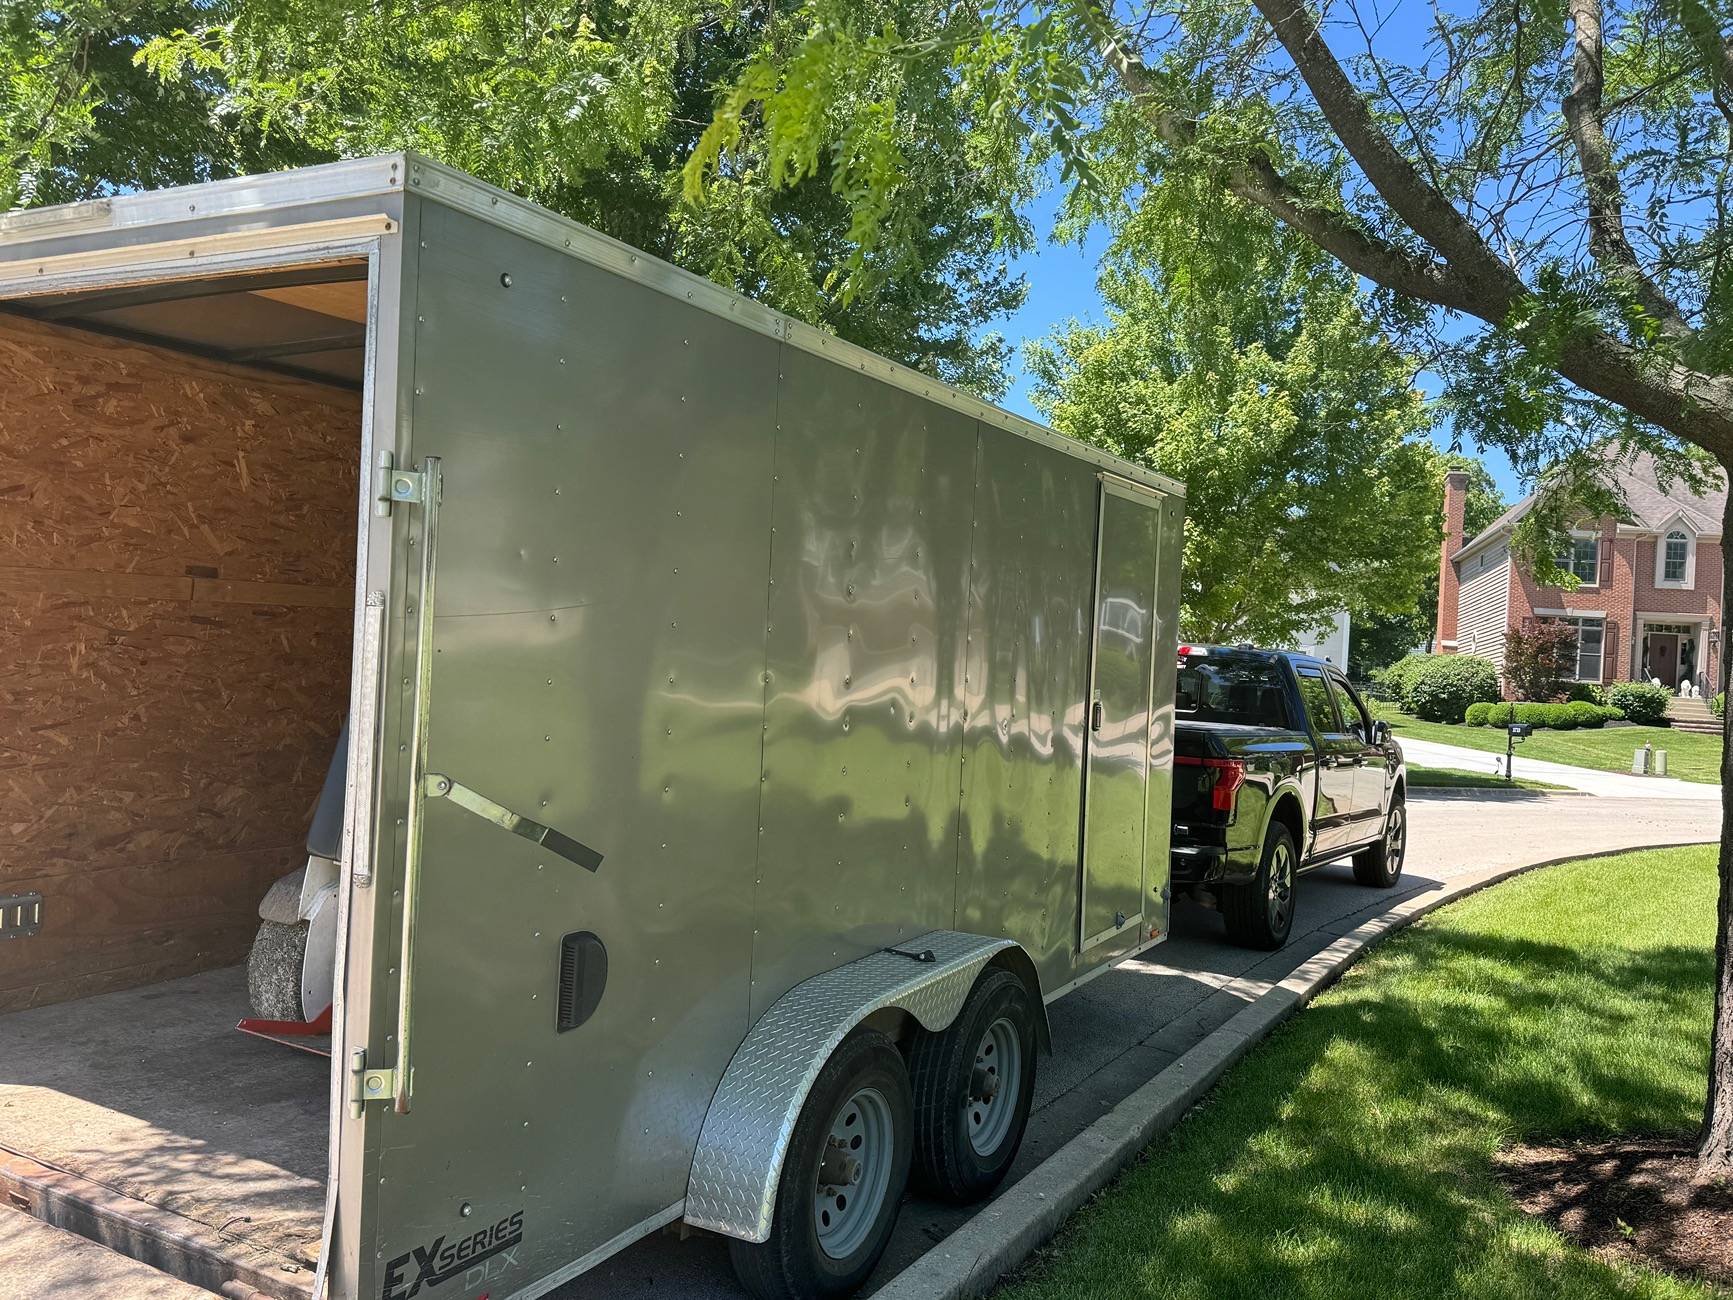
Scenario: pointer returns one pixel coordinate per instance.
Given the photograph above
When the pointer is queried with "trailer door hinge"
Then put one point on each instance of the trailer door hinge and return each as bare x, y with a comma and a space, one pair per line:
392, 485
366, 1084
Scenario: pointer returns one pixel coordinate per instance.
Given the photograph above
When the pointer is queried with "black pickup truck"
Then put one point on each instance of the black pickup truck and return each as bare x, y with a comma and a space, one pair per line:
1278, 768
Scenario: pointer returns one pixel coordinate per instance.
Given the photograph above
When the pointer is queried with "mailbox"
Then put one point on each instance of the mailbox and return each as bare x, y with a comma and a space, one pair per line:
1520, 729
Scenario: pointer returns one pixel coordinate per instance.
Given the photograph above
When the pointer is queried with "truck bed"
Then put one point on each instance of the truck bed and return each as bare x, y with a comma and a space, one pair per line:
146, 1111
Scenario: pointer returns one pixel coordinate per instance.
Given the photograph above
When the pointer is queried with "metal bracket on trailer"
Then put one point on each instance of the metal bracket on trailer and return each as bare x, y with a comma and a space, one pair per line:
751, 1119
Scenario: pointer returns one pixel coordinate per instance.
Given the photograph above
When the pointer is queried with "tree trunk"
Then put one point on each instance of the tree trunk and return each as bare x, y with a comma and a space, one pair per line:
1715, 1146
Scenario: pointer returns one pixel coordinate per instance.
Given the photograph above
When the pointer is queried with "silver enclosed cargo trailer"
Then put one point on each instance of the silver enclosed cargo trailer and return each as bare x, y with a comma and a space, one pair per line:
747, 737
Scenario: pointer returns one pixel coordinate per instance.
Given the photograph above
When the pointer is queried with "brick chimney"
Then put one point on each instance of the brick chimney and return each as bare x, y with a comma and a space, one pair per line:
1455, 502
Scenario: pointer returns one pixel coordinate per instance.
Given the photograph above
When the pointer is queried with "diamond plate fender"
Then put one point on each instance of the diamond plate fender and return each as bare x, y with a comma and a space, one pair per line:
751, 1119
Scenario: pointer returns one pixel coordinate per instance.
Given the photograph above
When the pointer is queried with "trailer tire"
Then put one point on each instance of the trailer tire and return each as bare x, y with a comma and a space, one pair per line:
1380, 866
965, 1141
857, 1124
1261, 914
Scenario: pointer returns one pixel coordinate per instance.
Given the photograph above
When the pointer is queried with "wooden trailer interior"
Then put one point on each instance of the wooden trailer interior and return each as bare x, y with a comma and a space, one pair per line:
178, 500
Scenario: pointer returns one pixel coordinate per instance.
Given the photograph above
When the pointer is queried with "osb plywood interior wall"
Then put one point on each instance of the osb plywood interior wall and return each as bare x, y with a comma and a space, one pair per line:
177, 546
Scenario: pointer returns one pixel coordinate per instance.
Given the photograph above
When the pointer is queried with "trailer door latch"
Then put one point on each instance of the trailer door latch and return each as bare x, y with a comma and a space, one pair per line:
438, 786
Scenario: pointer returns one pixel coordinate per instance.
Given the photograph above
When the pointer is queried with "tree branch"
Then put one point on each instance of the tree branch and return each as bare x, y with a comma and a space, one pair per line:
1427, 212
1583, 113
1665, 393
1715, 49
1253, 177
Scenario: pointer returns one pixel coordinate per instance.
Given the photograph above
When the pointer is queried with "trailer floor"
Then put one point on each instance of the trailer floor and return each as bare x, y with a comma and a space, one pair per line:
43, 1262
153, 1093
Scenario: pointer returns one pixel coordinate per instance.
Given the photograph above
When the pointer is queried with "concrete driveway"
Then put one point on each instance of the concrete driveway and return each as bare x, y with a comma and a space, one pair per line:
1114, 1033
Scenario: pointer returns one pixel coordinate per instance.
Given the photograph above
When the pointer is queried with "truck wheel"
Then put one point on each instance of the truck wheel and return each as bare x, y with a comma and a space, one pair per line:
1261, 914
843, 1179
1381, 865
973, 1084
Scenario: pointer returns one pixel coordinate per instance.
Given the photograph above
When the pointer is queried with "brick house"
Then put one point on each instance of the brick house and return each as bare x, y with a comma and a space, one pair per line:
1649, 605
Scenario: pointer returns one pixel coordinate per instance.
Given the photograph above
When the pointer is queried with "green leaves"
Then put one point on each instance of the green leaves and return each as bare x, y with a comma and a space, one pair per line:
877, 221
1254, 373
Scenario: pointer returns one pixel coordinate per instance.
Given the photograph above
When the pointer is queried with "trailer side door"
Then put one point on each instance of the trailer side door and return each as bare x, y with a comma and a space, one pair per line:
1118, 726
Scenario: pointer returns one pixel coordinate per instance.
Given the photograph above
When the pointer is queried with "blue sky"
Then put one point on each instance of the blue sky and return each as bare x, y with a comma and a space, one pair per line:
1062, 285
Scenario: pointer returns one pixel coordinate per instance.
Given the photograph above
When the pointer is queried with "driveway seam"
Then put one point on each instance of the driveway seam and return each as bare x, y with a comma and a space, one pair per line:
1008, 1229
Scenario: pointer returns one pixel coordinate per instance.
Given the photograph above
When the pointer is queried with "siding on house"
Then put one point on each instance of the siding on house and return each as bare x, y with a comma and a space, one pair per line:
1483, 605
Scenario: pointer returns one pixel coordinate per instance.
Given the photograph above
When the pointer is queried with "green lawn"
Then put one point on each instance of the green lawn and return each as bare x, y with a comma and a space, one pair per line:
1690, 756
1350, 1157
1455, 778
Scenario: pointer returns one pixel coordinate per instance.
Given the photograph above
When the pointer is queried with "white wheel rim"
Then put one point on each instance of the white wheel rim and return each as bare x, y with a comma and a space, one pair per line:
854, 1173
995, 1083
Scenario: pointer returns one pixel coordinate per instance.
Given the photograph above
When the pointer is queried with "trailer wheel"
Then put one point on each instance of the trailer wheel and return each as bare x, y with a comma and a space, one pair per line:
843, 1180
1381, 865
973, 1084
1261, 914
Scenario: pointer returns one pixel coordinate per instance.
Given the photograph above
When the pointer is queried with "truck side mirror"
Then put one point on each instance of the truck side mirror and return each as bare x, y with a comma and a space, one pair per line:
1380, 733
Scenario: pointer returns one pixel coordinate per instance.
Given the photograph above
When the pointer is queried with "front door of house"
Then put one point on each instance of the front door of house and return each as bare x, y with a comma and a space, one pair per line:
1664, 657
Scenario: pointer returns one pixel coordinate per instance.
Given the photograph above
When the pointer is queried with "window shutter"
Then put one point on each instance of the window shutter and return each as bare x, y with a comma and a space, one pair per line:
1606, 553
1609, 651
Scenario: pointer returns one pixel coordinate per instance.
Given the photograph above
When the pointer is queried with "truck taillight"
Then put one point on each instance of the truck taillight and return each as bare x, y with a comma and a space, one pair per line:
1230, 775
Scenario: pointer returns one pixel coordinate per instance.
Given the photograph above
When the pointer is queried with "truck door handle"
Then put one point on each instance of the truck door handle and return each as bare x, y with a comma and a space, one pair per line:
1095, 716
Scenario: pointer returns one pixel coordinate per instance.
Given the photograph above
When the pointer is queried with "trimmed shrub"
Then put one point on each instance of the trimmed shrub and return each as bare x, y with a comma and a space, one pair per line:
1560, 718
1718, 705
1396, 680
1500, 714
1590, 715
1445, 685
1536, 715
1641, 702
1475, 715
1588, 693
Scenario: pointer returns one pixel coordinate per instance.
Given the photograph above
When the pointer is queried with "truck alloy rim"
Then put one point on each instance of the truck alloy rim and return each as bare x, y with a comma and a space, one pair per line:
1395, 842
994, 1086
1281, 887
854, 1172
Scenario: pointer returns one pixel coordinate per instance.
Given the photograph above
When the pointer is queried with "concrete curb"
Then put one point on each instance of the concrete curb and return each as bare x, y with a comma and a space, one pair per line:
1010, 1228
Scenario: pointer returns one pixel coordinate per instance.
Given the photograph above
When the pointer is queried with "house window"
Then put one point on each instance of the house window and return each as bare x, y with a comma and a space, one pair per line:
1591, 638
1583, 559
1675, 557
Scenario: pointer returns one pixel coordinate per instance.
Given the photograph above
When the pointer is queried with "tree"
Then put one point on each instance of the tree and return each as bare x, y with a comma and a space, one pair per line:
590, 111
1540, 657
1293, 422
1379, 640
1538, 194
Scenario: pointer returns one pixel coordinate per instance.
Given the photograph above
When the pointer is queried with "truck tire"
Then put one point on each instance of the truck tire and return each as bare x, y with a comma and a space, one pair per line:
973, 1084
842, 1181
1261, 914
1380, 866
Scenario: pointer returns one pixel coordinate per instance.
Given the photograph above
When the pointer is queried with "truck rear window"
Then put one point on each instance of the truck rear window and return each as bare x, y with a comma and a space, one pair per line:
1239, 689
